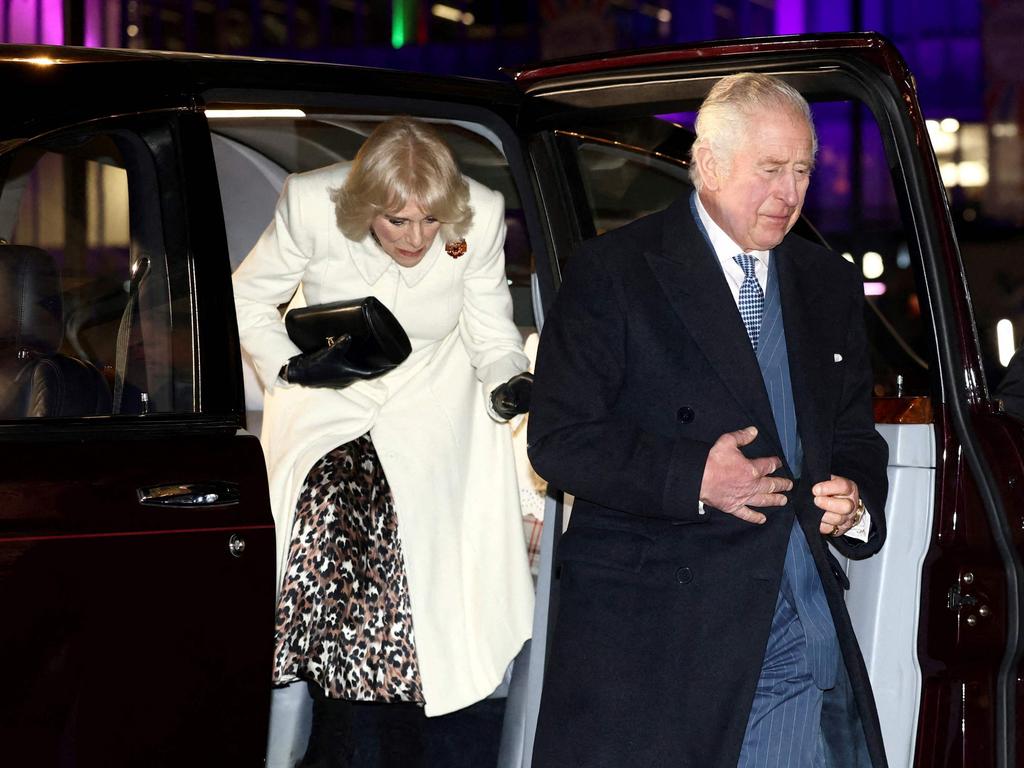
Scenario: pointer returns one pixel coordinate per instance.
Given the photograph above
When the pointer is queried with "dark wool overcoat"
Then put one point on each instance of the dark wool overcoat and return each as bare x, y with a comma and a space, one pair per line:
664, 613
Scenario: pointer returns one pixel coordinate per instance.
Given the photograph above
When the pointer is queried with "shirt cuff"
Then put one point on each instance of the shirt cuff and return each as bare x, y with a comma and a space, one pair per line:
862, 530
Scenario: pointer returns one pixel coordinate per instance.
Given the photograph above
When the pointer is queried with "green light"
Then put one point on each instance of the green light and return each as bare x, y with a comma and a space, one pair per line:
397, 23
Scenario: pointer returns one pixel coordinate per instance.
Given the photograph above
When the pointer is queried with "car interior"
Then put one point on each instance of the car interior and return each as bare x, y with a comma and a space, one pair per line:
37, 379
98, 297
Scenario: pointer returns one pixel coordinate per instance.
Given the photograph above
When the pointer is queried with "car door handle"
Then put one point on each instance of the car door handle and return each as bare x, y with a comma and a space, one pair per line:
207, 494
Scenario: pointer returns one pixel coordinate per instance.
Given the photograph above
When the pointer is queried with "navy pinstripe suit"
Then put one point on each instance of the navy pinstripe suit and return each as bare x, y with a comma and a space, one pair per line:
665, 613
802, 650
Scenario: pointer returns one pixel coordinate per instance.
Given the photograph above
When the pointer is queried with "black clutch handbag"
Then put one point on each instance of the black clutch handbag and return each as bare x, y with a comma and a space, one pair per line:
378, 340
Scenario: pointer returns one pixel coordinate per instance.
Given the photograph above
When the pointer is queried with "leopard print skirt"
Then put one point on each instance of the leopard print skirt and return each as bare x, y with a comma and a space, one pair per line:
343, 616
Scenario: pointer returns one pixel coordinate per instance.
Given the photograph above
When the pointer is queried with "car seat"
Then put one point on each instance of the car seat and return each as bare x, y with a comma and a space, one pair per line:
35, 378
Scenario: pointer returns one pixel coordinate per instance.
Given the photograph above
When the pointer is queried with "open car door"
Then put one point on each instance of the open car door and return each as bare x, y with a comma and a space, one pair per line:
137, 549
136, 544
938, 611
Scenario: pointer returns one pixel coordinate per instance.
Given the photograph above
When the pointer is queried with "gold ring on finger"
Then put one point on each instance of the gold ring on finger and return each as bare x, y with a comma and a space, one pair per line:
835, 532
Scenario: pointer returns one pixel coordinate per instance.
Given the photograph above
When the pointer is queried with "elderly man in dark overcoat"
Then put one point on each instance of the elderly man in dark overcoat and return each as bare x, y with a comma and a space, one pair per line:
703, 388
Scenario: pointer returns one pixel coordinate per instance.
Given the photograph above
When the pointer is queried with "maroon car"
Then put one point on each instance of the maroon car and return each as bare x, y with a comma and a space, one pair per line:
136, 543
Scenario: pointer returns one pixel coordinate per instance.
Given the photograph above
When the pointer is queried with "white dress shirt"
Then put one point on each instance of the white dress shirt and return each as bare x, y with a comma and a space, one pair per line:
725, 248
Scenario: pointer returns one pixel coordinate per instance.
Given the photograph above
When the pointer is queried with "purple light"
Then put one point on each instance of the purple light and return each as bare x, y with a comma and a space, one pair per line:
52, 32
22, 24
93, 23
789, 17
682, 118
874, 289
831, 17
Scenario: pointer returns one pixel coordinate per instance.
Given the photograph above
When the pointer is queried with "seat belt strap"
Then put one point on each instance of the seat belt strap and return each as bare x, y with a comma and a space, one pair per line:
124, 331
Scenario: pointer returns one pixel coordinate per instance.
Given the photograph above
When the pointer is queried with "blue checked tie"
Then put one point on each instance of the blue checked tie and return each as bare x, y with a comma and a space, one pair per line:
751, 297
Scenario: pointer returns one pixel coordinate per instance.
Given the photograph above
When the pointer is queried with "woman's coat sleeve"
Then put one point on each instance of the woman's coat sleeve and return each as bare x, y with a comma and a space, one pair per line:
494, 343
268, 278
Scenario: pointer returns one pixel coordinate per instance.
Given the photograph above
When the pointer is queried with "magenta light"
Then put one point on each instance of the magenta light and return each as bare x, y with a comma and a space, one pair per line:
874, 289
52, 15
789, 17
22, 22
93, 23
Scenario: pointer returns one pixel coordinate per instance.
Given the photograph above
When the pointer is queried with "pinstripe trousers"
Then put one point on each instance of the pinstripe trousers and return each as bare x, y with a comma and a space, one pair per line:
784, 727
801, 657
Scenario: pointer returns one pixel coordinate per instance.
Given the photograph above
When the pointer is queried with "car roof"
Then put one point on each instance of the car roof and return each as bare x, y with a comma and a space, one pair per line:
51, 87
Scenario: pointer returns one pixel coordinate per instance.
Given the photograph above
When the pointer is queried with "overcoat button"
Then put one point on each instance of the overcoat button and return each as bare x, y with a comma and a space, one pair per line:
684, 575
685, 414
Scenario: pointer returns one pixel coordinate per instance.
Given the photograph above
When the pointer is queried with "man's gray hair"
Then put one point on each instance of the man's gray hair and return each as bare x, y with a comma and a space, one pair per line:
730, 107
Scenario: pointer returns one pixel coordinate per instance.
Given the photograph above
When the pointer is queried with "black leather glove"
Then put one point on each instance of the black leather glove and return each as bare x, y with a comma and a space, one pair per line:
513, 396
327, 367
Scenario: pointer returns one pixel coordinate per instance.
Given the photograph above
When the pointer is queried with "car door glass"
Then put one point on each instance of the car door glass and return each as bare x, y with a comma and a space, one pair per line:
632, 182
627, 169
97, 317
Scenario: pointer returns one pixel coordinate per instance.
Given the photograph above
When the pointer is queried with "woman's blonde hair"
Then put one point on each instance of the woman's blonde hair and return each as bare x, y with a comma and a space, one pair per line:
401, 160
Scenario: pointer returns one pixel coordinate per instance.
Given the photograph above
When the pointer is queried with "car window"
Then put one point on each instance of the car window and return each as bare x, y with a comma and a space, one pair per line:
625, 183
982, 169
97, 316
633, 167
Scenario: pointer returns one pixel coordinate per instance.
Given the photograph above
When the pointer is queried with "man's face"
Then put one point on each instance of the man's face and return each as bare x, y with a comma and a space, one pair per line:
758, 199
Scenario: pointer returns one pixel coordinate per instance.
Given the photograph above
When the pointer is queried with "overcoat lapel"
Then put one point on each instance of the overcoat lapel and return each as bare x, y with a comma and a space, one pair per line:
807, 324
693, 283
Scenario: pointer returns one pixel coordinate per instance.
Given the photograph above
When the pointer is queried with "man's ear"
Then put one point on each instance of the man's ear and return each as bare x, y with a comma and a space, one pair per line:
708, 165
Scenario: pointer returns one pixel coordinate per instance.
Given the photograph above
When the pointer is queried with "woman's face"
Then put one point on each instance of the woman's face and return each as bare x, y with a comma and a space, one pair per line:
407, 234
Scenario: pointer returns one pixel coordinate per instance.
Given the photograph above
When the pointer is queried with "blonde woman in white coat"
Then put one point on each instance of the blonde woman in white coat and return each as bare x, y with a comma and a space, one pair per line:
400, 557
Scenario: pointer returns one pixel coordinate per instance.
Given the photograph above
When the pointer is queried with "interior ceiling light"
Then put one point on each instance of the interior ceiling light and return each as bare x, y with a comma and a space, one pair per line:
222, 114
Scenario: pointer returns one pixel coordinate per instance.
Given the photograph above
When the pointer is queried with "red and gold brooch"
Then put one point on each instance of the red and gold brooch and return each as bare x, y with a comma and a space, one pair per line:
455, 248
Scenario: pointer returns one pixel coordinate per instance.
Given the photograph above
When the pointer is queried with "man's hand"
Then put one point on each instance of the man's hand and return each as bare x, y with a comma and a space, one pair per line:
733, 483
839, 498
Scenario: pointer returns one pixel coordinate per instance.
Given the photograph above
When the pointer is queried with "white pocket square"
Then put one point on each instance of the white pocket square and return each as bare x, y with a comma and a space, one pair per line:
837, 358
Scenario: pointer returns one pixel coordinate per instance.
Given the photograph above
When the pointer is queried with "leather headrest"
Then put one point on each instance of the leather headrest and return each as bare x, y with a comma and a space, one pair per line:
31, 309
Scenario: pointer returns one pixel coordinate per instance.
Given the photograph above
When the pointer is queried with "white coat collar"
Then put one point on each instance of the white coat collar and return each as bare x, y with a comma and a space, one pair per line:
372, 262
